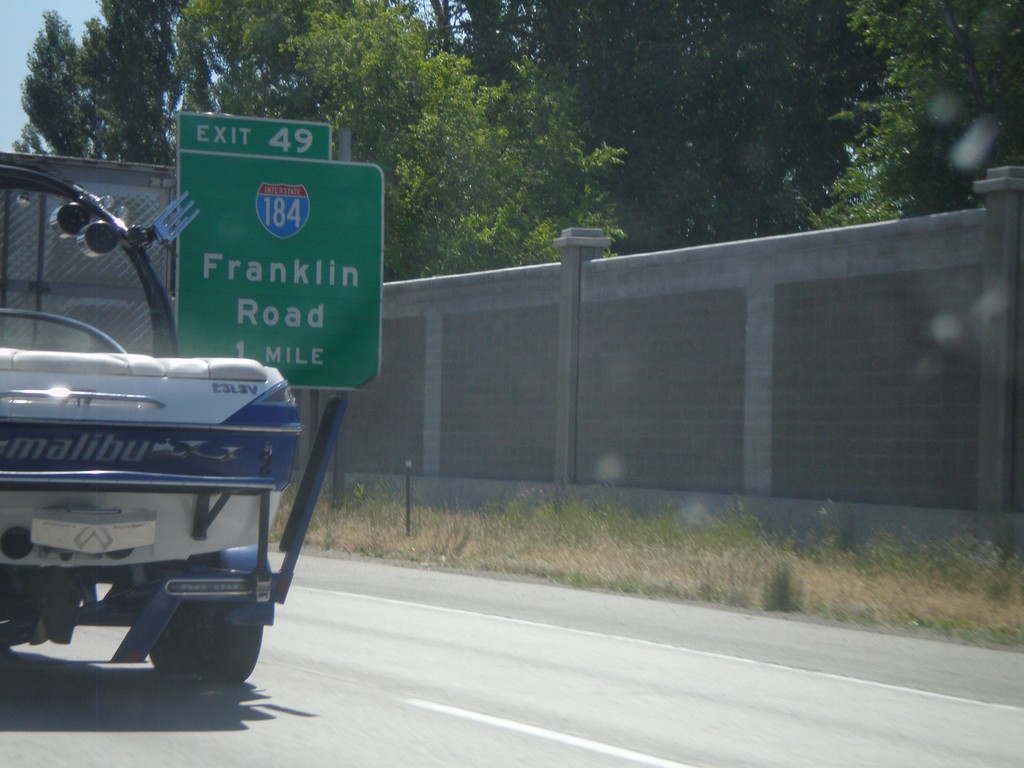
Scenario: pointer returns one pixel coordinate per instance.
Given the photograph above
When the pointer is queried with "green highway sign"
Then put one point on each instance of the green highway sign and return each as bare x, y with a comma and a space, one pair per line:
284, 262
254, 136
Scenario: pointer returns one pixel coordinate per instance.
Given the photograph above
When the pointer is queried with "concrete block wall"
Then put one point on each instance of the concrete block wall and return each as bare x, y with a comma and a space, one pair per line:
833, 365
497, 413
852, 365
661, 391
875, 389
467, 378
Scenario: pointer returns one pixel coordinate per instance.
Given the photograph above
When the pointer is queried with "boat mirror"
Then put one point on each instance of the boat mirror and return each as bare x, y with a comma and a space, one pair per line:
69, 219
98, 239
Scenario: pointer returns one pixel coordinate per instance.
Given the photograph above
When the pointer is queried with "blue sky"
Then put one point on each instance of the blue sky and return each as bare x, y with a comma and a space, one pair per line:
23, 20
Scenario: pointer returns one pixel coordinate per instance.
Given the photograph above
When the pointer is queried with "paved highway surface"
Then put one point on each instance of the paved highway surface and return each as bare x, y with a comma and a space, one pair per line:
375, 665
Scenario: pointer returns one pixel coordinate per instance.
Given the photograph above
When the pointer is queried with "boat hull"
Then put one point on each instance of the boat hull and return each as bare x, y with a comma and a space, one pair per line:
73, 528
155, 455
132, 459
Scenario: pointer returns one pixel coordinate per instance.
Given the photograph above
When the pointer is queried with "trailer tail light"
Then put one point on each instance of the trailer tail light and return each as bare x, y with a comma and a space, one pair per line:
214, 587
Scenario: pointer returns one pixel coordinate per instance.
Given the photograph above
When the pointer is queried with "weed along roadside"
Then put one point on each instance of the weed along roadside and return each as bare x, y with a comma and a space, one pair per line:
959, 589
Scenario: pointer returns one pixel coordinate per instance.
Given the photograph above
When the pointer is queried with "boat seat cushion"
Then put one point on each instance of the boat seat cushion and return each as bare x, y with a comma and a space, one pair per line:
108, 363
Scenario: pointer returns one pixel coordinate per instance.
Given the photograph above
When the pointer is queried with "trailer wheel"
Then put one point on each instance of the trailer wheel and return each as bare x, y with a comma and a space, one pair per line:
200, 641
228, 654
175, 651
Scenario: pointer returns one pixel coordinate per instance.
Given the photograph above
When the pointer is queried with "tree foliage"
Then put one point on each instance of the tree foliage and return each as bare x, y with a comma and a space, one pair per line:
115, 95
52, 97
722, 106
480, 176
952, 106
667, 122
235, 56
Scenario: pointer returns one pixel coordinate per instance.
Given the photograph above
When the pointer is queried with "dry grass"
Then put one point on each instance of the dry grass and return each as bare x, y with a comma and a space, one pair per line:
959, 589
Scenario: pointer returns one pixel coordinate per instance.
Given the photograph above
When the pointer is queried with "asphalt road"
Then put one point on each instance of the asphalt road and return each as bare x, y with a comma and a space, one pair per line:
373, 665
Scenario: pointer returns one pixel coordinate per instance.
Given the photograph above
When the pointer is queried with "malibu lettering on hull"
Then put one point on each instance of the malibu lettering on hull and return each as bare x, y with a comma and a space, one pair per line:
106, 447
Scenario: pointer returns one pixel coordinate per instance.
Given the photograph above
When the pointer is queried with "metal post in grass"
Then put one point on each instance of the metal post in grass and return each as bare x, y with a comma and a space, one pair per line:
408, 497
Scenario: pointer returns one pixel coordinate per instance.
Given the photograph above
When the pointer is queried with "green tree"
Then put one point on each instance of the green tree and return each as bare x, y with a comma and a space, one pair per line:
722, 106
115, 95
477, 176
51, 94
129, 68
952, 106
236, 57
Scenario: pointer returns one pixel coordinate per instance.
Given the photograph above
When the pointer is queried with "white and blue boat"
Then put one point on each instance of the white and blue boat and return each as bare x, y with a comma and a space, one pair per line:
114, 455
139, 490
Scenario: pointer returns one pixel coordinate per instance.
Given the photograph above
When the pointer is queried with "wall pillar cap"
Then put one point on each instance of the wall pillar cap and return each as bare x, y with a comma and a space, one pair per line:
1009, 178
582, 237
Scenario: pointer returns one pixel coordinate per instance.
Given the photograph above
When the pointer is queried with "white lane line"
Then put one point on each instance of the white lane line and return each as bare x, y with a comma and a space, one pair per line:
543, 733
677, 648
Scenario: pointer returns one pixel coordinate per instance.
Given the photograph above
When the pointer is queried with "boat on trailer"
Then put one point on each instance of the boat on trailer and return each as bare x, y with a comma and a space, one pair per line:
139, 490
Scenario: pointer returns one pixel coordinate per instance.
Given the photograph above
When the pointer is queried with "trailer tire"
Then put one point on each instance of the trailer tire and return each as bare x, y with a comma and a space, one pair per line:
199, 641
228, 654
175, 651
